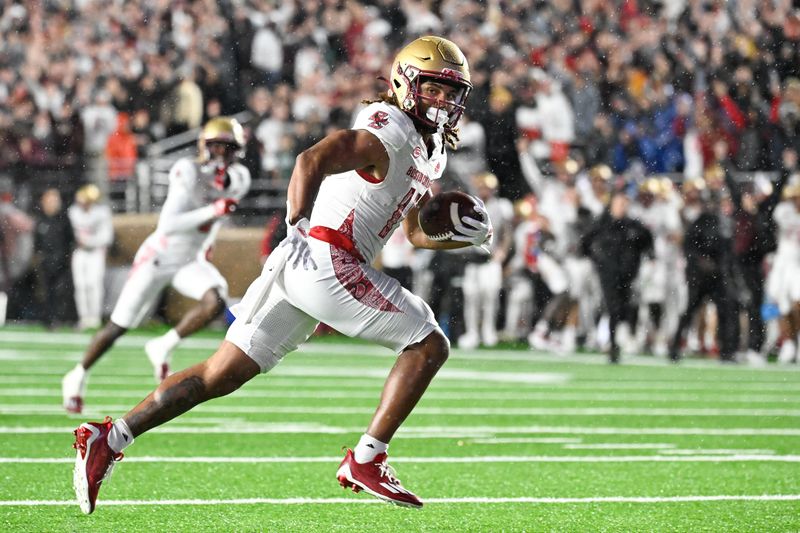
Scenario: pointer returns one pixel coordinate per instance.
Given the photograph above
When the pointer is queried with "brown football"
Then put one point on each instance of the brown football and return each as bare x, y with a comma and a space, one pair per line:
438, 217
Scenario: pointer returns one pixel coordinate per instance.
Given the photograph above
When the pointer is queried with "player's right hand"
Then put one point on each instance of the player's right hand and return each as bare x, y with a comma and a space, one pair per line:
297, 241
223, 206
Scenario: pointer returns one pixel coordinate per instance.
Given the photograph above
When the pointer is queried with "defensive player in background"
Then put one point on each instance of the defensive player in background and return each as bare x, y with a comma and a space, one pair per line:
93, 229
200, 192
346, 195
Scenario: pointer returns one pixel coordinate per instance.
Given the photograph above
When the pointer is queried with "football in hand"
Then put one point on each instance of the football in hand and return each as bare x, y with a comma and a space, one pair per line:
440, 215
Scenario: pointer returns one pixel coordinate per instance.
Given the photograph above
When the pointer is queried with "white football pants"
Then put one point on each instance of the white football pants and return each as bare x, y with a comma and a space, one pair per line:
88, 271
481, 288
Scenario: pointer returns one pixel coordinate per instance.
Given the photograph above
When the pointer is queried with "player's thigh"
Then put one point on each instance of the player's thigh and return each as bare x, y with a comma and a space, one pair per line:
145, 282
97, 265
267, 331
197, 278
78, 266
358, 300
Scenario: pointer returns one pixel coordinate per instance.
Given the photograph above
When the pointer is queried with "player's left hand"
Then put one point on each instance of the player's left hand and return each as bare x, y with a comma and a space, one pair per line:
297, 241
476, 232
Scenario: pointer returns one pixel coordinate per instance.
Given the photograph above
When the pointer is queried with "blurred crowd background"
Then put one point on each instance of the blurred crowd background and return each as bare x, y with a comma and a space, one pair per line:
685, 109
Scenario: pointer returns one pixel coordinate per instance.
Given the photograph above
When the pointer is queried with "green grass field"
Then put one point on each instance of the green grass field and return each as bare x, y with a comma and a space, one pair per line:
503, 441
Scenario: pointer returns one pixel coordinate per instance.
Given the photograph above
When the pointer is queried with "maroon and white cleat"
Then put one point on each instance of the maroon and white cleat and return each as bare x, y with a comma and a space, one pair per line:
377, 478
94, 462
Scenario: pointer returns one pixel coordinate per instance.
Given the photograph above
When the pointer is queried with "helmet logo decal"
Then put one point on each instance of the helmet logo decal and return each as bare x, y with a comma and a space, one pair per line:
378, 120
450, 73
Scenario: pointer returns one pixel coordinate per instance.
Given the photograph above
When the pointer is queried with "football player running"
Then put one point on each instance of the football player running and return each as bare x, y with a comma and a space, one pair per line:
201, 192
366, 181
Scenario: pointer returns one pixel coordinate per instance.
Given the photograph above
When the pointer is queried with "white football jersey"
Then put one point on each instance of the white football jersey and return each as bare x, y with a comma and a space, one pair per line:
367, 210
186, 226
92, 227
788, 220
664, 221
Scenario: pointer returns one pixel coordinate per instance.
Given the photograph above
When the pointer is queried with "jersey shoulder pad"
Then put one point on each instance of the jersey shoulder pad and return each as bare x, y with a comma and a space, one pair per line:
386, 122
183, 170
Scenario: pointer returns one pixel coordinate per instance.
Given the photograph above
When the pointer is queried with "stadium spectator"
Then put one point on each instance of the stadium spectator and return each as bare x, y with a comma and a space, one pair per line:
708, 248
53, 247
16, 252
616, 244
754, 239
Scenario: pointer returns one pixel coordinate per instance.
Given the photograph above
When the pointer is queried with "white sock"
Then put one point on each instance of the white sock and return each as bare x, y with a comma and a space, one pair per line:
171, 339
367, 448
80, 370
120, 436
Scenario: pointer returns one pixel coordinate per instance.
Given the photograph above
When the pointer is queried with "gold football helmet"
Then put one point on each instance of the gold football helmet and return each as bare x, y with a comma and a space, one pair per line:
601, 172
222, 130
430, 58
791, 191
88, 194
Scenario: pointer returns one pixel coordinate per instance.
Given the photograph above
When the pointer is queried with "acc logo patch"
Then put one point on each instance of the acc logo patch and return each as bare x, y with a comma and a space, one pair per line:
417, 152
379, 120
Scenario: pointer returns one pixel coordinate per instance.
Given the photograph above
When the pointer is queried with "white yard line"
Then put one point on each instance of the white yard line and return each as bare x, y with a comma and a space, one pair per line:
288, 376
135, 340
525, 440
624, 446
467, 500
46, 410
411, 431
253, 392
534, 378
716, 451
734, 458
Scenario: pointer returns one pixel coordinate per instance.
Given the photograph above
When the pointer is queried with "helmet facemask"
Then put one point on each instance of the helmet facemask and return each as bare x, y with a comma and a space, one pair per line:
437, 117
221, 131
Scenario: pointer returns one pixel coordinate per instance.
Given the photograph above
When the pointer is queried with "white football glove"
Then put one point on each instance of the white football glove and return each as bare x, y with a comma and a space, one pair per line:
297, 241
476, 232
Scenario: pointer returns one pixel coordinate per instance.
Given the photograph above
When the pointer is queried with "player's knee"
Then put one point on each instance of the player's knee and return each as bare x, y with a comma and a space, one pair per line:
213, 303
112, 331
227, 370
437, 348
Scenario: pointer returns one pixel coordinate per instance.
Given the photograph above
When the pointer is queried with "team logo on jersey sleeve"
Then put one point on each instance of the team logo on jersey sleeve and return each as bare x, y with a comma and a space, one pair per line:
378, 120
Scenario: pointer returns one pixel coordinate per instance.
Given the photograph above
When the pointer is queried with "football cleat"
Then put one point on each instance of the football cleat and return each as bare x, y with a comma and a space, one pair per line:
94, 462
377, 478
73, 388
159, 358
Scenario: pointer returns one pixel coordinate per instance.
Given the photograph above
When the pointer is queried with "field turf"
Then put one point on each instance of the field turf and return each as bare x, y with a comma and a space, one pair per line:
504, 440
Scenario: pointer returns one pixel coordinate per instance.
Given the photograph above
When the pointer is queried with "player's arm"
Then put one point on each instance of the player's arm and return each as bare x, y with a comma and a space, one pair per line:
418, 238
175, 216
338, 152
